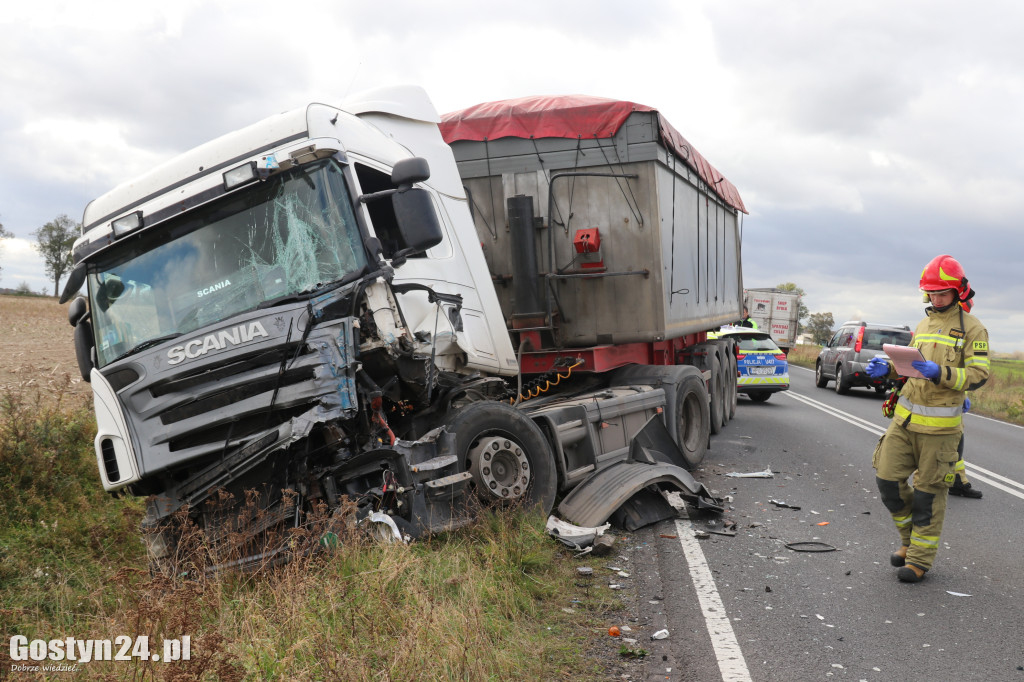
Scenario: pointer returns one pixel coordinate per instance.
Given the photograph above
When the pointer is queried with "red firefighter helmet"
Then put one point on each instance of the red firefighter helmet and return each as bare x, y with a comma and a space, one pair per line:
943, 273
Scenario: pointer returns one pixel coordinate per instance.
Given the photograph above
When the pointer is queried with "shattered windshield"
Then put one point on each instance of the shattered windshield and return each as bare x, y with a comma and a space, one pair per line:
286, 236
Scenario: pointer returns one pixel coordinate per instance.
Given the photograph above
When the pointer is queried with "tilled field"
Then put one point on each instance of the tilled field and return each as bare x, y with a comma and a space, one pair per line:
36, 346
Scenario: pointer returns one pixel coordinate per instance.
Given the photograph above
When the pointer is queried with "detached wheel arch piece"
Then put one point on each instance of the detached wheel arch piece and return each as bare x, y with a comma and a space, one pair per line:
507, 454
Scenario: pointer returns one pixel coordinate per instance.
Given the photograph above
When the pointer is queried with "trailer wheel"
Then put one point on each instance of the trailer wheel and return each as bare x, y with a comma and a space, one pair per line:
507, 453
717, 395
693, 417
731, 382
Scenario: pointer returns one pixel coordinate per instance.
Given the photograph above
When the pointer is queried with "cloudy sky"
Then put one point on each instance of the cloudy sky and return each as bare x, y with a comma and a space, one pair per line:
865, 138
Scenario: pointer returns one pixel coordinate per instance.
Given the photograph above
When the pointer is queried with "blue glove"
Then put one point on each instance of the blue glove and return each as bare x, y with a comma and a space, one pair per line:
877, 368
967, 404
926, 367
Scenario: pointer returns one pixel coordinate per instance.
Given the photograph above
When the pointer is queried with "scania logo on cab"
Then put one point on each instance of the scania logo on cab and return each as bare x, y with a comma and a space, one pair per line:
211, 289
216, 341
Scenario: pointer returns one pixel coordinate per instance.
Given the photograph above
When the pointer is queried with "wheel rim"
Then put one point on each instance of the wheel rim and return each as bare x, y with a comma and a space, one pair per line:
500, 468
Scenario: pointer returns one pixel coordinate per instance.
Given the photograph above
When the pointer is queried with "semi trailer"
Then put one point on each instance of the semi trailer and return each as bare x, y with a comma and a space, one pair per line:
371, 310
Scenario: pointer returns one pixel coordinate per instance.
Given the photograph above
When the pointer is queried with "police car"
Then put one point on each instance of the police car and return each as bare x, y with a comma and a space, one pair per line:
762, 366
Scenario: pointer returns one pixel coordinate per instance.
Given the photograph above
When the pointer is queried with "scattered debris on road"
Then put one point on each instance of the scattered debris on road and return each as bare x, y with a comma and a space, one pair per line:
767, 473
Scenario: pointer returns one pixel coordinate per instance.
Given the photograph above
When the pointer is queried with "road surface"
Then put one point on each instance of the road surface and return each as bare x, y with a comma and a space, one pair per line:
746, 607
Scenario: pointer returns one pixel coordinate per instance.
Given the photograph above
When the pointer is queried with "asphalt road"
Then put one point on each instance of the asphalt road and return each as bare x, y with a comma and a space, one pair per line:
746, 607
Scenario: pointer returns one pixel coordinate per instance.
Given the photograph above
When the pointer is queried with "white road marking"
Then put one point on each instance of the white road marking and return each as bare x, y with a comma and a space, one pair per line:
731, 663
838, 414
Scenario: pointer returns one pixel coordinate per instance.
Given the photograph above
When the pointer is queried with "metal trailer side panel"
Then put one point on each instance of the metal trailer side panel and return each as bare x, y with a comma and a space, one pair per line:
672, 246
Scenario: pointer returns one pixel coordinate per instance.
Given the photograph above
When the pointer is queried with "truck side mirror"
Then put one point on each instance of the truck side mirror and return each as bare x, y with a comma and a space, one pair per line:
77, 310
75, 281
83, 348
417, 221
407, 171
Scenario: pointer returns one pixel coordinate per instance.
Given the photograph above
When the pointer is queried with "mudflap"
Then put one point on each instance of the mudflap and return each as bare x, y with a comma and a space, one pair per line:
653, 463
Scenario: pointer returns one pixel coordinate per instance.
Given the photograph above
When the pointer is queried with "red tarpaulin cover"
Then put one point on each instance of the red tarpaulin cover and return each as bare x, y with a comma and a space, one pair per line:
574, 117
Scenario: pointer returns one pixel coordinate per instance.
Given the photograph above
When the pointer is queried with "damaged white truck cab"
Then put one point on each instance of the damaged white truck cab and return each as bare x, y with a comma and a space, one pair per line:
299, 313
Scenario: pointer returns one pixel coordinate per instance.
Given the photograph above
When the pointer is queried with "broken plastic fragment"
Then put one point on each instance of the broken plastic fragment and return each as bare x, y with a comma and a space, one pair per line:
384, 527
576, 537
767, 473
660, 634
780, 503
958, 594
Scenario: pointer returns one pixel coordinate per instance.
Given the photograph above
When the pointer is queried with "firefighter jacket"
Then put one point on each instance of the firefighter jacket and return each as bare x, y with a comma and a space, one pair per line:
958, 343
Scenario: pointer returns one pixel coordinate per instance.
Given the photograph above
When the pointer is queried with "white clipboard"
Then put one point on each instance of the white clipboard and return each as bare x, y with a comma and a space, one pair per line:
902, 357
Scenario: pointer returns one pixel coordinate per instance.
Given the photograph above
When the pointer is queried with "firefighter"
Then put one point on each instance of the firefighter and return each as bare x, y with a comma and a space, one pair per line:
926, 427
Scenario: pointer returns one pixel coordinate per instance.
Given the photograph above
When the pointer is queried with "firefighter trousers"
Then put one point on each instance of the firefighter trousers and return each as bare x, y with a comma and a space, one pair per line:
918, 510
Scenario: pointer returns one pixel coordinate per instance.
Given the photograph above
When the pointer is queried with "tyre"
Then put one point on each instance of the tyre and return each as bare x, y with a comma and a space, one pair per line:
731, 382
693, 419
508, 456
820, 380
759, 397
717, 395
842, 383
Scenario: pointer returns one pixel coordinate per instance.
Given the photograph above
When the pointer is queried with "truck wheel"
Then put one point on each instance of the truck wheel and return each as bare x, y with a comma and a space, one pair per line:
842, 383
731, 382
820, 380
693, 417
717, 395
508, 455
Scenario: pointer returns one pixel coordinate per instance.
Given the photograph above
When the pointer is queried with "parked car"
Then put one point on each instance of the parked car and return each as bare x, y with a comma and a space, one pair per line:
761, 366
847, 354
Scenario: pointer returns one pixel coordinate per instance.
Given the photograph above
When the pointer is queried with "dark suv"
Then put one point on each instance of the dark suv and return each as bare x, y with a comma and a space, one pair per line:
849, 351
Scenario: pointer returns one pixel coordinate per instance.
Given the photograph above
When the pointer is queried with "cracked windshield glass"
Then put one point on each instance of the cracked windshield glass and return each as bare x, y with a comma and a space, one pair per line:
281, 237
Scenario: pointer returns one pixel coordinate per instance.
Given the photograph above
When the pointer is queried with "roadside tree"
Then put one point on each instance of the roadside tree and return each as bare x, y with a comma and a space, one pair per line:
819, 325
53, 242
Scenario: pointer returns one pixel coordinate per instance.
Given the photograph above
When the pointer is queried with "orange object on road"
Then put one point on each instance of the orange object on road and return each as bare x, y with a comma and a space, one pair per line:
614, 631
823, 523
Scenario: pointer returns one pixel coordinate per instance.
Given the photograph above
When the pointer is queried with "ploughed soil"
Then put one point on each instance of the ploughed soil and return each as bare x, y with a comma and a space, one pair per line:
37, 347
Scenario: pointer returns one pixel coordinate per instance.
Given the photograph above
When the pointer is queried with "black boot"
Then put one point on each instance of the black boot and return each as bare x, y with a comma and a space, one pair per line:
964, 490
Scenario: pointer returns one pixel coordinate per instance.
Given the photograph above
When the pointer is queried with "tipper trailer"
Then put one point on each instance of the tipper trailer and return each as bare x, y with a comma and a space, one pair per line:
304, 312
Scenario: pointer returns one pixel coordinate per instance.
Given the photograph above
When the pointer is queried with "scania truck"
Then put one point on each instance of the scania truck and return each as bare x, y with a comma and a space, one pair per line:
365, 306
